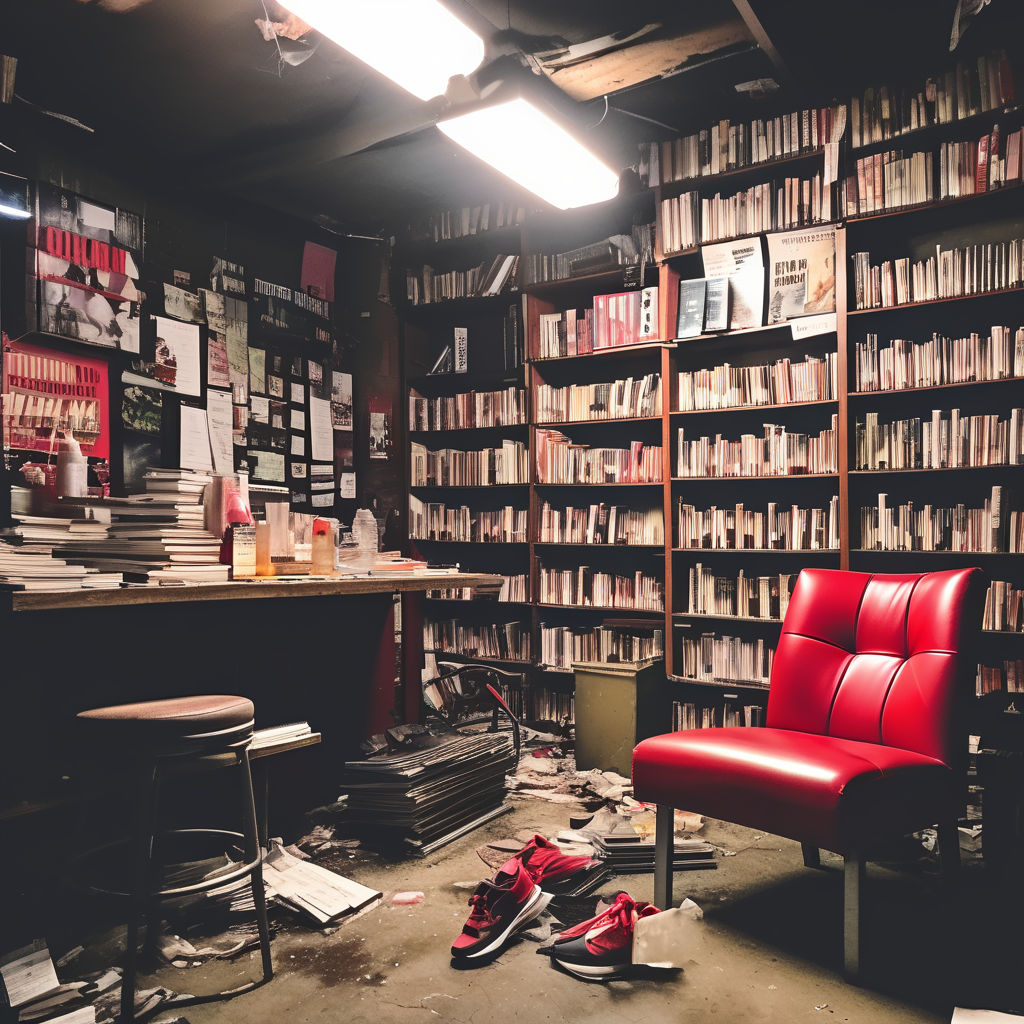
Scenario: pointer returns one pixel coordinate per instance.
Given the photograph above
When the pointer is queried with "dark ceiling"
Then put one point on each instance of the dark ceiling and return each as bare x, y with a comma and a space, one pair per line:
191, 91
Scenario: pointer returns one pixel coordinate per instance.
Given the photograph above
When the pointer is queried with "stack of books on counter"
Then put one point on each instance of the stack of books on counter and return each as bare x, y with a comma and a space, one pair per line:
30, 555
158, 537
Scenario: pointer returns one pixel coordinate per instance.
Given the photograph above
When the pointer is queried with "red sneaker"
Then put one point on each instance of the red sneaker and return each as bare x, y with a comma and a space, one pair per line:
603, 946
501, 906
547, 864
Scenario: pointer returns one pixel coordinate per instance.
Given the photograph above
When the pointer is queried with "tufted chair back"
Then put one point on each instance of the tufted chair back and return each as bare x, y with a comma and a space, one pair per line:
869, 657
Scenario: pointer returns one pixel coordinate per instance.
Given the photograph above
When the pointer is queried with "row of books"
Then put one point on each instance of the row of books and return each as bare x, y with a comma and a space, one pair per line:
941, 360
500, 640
614, 251
619, 399
892, 181
726, 146
601, 524
754, 597
468, 410
777, 529
948, 440
725, 386
1007, 678
431, 520
687, 714
889, 181
1004, 607
548, 705
587, 588
726, 659
468, 220
950, 273
452, 467
562, 461
560, 646
923, 527
514, 589
490, 278
689, 220
968, 89
776, 452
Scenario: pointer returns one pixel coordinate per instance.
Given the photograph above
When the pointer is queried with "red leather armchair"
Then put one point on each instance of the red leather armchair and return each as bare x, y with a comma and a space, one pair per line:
865, 735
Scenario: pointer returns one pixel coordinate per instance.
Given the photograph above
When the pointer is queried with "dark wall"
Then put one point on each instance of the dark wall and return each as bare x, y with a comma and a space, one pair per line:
185, 227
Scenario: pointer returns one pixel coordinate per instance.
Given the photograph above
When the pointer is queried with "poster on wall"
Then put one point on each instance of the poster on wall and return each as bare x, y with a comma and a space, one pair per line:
380, 427
317, 277
801, 273
141, 424
47, 394
84, 260
341, 400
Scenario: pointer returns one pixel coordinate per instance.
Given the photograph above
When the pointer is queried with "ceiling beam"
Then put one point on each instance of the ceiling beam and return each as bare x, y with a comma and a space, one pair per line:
757, 30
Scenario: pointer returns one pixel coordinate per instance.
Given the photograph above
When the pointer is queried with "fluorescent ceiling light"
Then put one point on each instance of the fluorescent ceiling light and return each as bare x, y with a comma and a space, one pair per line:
532, 149
13, 211
419, 44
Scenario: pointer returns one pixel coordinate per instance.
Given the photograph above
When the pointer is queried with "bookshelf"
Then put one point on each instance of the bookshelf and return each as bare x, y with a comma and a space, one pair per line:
955, 361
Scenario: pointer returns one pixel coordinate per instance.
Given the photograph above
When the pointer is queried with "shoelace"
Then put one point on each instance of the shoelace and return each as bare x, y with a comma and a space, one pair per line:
480, 914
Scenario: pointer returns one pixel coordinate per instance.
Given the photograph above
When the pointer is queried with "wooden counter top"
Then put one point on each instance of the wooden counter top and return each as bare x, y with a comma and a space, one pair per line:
241, 590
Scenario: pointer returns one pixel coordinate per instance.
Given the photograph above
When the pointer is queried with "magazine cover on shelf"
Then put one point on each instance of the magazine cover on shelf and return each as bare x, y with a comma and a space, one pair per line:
743, 264
47, 393
801, 273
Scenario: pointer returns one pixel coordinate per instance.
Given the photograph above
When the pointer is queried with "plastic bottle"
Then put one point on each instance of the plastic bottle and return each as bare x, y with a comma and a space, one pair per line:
364, 532
72, 470
323, 547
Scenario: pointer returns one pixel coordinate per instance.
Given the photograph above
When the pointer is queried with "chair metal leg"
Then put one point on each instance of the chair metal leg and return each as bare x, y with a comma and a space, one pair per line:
949, 851
144, 826
812, 855
664, 854
853, 880
253, 851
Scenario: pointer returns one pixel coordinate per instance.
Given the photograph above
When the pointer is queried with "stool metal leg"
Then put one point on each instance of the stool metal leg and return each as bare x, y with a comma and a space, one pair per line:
253, 851
145, 824
664, 855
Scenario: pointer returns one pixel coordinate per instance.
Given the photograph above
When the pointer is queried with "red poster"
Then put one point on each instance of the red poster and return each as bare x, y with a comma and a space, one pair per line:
47, 394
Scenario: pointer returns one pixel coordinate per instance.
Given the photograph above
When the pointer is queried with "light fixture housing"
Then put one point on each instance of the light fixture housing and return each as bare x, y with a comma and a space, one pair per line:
418, 44
14, 197
529, 146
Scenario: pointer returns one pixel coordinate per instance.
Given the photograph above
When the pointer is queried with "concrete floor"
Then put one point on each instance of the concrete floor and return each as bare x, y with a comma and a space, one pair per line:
769, 948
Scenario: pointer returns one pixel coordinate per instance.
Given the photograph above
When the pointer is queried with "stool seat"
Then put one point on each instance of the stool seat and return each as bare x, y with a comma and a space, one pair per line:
176, 717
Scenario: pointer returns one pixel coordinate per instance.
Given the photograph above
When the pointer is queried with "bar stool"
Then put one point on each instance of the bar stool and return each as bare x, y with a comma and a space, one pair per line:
153, 742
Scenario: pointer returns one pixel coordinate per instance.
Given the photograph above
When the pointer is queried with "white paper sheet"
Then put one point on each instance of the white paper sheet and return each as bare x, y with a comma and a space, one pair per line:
321, 431
182, 342
218, 415
195, 439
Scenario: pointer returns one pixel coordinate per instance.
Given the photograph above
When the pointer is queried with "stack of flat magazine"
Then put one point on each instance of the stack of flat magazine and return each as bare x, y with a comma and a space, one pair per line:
416, 801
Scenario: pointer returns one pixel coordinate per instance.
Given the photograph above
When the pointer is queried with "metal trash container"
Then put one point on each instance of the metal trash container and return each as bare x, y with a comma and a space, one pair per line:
617, 705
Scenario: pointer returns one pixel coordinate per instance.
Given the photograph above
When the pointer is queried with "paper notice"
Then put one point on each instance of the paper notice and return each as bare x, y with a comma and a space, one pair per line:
321, 430
195, 439
177, 345
219, 420
809, 326
347, 487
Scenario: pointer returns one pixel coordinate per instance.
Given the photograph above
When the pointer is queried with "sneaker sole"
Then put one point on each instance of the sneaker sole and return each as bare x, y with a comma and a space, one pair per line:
533, 908
584, 971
